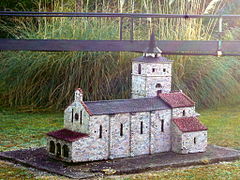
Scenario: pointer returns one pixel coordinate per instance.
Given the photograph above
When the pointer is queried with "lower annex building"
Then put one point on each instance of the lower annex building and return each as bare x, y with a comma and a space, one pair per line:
155, 120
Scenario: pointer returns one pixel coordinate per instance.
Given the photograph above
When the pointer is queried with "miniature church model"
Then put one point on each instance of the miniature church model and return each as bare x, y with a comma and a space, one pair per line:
155, 120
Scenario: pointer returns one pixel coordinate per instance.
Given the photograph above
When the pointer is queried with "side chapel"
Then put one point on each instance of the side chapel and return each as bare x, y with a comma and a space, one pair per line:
155, 120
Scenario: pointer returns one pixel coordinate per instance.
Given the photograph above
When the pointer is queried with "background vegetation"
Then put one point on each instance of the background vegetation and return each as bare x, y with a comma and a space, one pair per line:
47, 79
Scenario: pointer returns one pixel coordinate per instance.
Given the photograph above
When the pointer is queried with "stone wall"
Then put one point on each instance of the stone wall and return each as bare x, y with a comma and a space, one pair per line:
62, 143
139, 142
160, 135
188, 142
153, 84
70, 121
119, 142
160, 69
176, 139
96, 146
153, 77
189, 112
138, 86
194, 142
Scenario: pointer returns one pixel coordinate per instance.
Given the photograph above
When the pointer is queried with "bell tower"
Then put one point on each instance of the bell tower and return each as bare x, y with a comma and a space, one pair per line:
151, 73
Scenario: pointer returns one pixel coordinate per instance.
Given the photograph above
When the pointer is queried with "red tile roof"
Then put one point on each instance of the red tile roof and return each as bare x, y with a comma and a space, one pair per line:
67, 135
189, 124
176, 99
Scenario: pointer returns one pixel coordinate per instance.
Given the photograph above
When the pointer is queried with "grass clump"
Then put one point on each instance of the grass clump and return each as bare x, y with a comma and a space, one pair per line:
49, 78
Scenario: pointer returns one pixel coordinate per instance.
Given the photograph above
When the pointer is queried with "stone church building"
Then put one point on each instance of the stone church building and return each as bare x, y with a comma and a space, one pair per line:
155, 120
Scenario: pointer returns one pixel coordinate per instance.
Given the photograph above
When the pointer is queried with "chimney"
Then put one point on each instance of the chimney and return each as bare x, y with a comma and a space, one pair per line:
78, 96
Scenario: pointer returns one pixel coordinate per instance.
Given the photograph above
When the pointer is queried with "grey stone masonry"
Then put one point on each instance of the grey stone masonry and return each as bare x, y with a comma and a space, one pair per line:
148, 78
188, 142
155, 119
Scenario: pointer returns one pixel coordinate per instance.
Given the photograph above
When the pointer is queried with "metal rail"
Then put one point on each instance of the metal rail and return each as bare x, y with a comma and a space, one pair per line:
219, 47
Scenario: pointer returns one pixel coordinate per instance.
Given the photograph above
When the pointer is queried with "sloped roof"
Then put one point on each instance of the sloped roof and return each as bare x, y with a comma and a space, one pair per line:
152, 59
177, 99
67, 135
189, 124
125, 105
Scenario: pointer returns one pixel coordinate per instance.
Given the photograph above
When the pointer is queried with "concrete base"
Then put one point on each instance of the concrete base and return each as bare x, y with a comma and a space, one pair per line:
39, 159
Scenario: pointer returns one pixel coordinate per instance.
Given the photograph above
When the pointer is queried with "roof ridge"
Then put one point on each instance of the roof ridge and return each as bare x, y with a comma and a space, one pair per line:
121, 99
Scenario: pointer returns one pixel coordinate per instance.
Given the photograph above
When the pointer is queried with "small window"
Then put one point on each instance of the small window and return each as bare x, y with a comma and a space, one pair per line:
81, 117
195, 140
52, 147
184, 113
158, 85
72, 115
76, 116
141, 128
153, 69
139, 69
162, 125
100, 131
65, 151
58, 149
121, 130
164, 70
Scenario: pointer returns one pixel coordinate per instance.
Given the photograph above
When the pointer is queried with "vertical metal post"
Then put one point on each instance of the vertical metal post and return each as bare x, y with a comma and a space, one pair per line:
220, 30
131, 30
121, 26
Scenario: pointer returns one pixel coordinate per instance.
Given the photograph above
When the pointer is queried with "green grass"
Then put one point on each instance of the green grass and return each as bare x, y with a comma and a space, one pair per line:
23, 130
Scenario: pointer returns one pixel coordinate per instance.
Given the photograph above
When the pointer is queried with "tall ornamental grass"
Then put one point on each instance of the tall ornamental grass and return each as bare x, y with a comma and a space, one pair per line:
48, 78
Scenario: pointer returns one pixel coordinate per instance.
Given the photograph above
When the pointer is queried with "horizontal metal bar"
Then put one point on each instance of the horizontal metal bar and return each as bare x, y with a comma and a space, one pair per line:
118, 45
131, 15
105, 45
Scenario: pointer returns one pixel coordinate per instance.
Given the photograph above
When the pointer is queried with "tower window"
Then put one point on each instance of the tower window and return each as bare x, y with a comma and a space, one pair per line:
164, 70
100, 131
195, 140
162, 125
184, 113
81, 117
153, 69
76, 116
141, 128
121, 130
158, 85
139, 69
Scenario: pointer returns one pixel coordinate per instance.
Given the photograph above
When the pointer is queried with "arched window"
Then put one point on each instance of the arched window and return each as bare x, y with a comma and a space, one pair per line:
139, 69
158, 85
121, 130
164, 70
52, 147
58, 149
76, 116
100, 131
65, 150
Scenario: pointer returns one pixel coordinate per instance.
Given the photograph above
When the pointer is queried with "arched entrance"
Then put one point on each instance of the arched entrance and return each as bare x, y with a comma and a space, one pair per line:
52, 147
65, 151
58, 150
